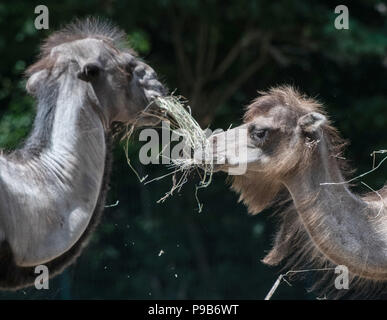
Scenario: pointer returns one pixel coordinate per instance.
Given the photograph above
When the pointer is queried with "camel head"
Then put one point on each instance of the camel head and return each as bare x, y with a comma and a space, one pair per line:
287, 153
279, 131
94, 54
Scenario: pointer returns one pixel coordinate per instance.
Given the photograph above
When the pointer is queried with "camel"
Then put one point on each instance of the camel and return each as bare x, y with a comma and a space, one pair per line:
52, 189
293, 158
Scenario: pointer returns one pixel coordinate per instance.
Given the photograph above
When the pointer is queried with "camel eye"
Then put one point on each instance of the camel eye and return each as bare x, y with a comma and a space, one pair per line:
259, 134
89, 72
129, 71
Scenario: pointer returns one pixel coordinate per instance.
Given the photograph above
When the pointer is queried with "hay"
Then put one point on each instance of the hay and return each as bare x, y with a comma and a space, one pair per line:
172, 109
126, 138
181, 121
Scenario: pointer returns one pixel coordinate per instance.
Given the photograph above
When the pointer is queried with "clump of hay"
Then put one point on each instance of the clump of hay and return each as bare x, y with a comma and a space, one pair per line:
181, 121
172, 109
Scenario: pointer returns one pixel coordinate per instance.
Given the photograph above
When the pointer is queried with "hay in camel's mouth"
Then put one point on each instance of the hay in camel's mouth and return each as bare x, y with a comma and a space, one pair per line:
172, 109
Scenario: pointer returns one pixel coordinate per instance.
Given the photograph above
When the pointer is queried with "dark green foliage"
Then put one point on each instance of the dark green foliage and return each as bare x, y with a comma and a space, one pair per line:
214, 254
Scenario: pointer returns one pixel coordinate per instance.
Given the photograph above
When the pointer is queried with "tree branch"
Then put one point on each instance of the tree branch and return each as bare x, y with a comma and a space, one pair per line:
278, 56
178, 44
233, 54
223, 94
212, 51
201, 49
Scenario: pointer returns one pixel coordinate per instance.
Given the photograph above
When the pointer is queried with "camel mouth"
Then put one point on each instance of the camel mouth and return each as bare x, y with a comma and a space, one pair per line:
217, 161
147, 121
155, 89
148, 117
218, 165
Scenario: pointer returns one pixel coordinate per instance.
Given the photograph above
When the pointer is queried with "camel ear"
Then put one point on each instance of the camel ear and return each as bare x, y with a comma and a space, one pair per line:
310, 122
34, 80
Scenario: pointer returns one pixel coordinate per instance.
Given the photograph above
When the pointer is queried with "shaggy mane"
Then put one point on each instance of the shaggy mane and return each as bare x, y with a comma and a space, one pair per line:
285, 96
300, 104
90, 27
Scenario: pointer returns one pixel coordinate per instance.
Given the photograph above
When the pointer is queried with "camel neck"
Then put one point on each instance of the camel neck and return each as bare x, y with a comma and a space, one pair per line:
77, 140
345, 228
54, 181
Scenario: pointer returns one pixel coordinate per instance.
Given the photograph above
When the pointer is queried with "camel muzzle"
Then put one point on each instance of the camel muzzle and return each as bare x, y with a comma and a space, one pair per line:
227, 151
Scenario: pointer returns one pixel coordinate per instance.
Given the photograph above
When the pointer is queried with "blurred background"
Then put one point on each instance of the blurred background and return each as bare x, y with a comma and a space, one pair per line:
217, 53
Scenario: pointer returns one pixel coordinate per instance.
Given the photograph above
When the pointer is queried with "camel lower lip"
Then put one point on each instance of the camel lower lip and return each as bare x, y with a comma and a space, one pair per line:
218, 167
148, 121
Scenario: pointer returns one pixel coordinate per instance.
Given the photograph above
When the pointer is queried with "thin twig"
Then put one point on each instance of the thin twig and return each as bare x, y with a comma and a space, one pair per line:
357, 177
373, 155
159, 178
281, 277
113, 205
378, 194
